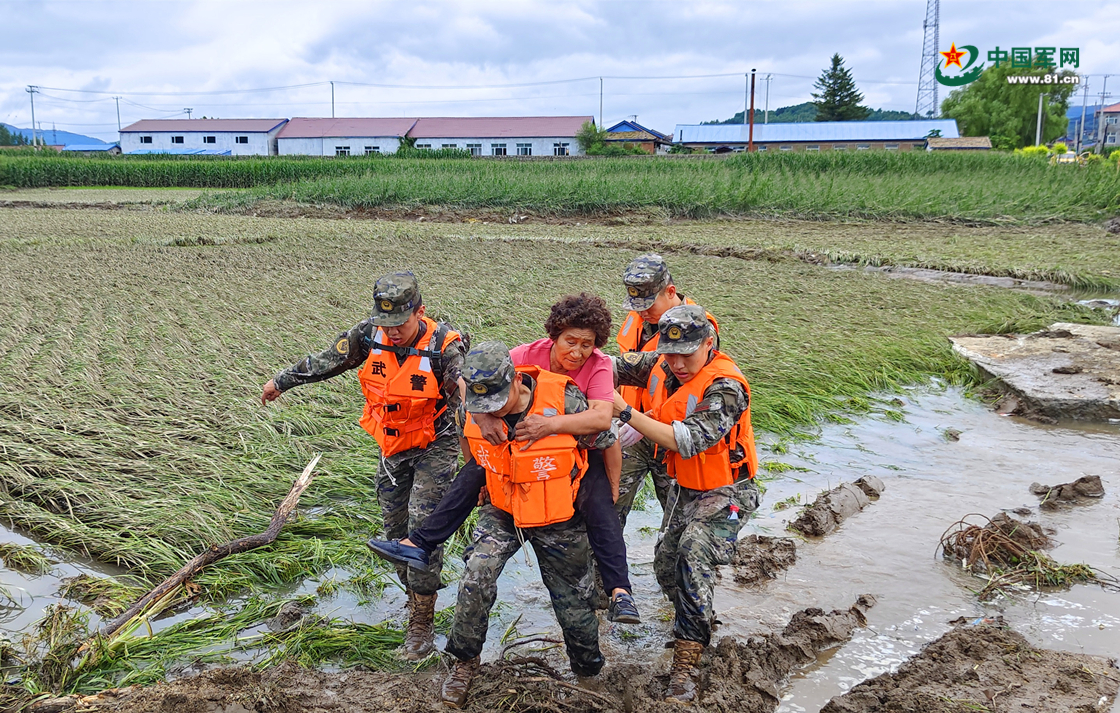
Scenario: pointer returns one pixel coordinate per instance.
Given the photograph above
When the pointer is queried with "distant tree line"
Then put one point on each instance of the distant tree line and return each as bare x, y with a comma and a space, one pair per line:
8, 138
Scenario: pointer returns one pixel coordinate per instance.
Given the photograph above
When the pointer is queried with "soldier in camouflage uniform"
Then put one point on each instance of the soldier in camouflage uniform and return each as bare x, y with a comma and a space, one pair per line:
563, 553
415, 470
701, 417
650, 293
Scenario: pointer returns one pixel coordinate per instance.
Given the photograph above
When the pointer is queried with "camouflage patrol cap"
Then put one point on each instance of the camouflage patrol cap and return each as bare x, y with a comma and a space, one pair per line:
644, 278
488, 371
682, 330
395, 297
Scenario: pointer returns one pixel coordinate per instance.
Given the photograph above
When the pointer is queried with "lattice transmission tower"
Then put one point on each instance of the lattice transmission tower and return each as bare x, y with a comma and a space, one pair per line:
927, 107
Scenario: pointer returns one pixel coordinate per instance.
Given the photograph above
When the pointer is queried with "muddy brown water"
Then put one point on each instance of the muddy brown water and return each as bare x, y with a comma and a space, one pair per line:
887, 550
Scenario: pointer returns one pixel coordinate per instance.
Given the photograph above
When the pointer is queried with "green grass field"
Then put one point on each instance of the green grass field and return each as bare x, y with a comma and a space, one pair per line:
132, 358
982, 187
134, 343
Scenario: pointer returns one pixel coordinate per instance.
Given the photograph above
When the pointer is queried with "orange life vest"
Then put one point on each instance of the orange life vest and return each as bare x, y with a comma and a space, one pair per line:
713, 468
534, 485
403, 402
628, 338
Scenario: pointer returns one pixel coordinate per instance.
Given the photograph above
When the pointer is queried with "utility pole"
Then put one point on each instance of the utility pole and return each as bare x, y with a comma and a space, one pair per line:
188, 112
600, 103
332, 100
1081, 126
766, 113
1100, 115
1038, 122
118, 100
31, 89
750, 131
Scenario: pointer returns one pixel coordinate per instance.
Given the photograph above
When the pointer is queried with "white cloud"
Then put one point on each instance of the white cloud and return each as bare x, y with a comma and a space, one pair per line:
203, 45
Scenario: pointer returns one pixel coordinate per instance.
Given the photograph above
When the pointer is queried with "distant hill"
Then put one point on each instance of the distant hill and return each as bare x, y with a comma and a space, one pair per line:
52, 136
808, 112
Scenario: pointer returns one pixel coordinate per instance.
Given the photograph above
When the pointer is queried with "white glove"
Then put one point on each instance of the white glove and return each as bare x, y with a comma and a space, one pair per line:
628, 435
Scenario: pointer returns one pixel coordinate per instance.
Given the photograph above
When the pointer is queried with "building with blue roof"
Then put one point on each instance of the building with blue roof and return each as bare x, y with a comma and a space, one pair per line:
631, 132
88, 149
816, 135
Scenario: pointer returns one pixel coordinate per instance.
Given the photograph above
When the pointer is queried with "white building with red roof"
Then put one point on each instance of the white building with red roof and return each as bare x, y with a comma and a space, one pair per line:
220, 137
501, 136
342, 137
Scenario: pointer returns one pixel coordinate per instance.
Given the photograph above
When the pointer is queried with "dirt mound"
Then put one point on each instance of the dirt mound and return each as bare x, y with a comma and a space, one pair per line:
1083, 490
986, 668
739, 676
836, 505
759, 558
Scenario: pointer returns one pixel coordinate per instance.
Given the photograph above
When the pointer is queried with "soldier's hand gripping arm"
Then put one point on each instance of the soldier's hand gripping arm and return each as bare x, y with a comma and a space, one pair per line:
348, 351
712, 419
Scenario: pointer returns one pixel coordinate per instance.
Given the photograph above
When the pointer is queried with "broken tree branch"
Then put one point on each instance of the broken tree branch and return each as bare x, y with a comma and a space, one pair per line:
215, 553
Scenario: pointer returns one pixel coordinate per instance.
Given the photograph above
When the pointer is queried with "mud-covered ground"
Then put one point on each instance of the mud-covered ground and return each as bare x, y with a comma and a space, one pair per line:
972, 668
742, 676
987, 668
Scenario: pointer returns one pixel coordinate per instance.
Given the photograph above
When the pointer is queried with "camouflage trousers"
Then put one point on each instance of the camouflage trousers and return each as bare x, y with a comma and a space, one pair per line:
409, 486
698, 533
564, 556
637, 460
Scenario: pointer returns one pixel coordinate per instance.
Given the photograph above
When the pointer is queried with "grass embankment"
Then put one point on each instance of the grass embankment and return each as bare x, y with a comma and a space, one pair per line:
983, 187
133, 347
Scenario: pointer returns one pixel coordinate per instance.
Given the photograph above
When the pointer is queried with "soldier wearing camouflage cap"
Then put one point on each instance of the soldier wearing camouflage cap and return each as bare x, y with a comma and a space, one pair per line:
409, 370
650, 292
532, 490
699, 413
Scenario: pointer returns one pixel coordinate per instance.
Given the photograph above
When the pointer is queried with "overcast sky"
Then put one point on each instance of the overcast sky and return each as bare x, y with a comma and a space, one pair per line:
442, 52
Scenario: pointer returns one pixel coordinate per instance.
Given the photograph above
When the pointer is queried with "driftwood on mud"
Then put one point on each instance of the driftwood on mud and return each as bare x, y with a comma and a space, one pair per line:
215, 553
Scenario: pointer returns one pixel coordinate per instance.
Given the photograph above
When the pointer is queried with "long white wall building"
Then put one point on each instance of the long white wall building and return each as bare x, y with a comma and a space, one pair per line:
223, 137
302, 136
342, 137
501, 136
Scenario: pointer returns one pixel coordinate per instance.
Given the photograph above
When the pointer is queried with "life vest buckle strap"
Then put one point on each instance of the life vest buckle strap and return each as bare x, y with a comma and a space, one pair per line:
392, 431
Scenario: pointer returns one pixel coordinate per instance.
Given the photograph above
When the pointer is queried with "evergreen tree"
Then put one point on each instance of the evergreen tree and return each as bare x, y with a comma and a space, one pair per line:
9, 138
838, 99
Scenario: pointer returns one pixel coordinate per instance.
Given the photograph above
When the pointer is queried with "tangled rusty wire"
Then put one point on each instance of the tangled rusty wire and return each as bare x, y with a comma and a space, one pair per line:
1008, 553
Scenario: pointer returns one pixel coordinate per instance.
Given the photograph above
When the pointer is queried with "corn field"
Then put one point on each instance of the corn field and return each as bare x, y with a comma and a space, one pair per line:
985, 187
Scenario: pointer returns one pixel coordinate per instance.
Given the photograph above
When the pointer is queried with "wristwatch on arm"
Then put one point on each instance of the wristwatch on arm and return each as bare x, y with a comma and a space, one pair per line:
625, 414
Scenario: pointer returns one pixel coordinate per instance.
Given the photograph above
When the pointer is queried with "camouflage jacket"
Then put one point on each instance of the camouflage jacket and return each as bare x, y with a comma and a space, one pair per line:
351, 349
574, 402
724, 402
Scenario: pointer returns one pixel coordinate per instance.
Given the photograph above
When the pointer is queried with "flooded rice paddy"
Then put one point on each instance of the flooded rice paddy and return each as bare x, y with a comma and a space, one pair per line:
888, 550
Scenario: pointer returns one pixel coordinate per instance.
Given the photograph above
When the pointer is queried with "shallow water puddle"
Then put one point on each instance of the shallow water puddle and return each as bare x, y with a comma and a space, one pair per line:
887, 550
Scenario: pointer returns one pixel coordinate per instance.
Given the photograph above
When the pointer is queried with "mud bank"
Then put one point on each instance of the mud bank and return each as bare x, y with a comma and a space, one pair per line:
831, 508
1086, 489
735, 675
987, 668
759, 558
1066, 371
